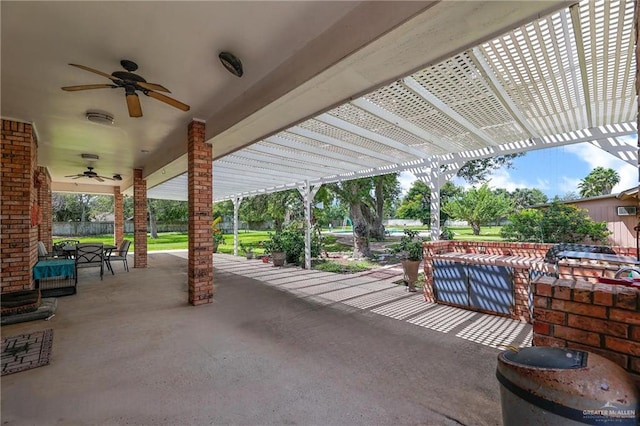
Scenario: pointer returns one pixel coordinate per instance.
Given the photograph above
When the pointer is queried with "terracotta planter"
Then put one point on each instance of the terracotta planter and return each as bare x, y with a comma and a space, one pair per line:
278, 258
411, 270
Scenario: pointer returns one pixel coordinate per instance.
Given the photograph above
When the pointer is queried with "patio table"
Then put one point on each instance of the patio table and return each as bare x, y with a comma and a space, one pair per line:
70, 251
55, 277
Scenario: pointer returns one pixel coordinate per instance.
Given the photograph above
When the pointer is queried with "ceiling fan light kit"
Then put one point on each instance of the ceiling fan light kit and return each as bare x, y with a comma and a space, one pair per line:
131, 83
99, 117
231, 63
89, 173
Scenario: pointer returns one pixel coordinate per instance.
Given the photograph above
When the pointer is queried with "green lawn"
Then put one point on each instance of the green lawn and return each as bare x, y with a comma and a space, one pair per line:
178, 240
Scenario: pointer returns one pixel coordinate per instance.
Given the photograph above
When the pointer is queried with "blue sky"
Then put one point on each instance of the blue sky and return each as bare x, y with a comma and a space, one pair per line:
556, 171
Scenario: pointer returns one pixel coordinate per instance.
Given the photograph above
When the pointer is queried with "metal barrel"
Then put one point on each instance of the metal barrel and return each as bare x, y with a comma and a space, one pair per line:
557, 386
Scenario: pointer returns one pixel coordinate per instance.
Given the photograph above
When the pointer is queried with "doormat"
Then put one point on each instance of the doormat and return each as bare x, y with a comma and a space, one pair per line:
26, 351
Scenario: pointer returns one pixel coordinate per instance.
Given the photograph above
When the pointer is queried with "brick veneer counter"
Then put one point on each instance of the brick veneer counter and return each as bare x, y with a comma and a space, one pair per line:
535, 263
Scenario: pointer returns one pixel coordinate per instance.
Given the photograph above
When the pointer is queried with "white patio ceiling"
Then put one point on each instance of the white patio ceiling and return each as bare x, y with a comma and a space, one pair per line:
565, 78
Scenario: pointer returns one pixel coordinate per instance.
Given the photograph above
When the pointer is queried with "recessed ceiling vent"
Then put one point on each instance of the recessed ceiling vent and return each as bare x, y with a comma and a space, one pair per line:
91, 157
100, 117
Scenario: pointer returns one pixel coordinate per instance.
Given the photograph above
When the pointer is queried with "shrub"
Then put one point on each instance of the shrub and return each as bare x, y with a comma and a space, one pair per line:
558, 223
291, 241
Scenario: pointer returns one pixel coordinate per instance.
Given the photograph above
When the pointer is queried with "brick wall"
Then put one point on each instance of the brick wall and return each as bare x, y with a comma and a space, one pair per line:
139, 220
118, 216
46, 212
18, 197
200, 267
599, 318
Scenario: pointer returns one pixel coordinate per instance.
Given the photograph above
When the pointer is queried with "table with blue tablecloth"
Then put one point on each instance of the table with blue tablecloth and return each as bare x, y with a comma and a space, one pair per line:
55, 277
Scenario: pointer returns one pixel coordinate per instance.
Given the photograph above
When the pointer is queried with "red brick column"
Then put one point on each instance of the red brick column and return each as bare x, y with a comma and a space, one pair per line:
139, 220
200, 270
45, 233
118, 216
18, 199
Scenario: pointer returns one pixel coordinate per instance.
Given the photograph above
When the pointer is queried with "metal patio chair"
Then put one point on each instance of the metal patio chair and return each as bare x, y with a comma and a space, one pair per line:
121, 255
90, 255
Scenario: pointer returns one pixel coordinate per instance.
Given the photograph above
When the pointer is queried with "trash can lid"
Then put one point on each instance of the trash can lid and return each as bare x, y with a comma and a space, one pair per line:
548, 357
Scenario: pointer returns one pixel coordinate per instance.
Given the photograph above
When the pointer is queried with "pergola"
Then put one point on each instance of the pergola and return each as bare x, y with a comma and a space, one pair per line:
563, 79
332, 91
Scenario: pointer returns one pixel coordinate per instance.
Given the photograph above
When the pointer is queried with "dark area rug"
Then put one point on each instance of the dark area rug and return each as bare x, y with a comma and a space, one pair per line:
26, 351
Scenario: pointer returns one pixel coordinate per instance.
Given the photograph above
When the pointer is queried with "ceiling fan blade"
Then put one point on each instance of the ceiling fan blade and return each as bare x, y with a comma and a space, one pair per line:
104, 74
89, 86
71, 175
153, 86
105, 177
78, 176
167, 100
133, 103
99, 179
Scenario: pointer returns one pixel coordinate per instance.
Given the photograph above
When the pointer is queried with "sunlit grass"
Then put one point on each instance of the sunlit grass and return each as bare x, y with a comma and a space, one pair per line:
252, 239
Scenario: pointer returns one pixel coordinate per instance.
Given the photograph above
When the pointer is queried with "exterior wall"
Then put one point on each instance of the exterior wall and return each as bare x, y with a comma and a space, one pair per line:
604, 210
139, 219
18, 202
200, 265
599, 318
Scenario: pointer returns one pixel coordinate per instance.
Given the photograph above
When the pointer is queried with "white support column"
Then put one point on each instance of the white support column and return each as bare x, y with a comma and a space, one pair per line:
308, 193
434, 177
236, 207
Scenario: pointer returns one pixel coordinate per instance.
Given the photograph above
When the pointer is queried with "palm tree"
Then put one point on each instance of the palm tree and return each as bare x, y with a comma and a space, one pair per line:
599, 182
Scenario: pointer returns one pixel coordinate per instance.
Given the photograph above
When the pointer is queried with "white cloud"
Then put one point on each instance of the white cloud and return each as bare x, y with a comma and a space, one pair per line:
406, 179
501, 178
596, 157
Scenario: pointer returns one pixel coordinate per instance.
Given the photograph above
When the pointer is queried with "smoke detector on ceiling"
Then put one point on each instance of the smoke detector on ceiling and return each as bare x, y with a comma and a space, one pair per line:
99, 117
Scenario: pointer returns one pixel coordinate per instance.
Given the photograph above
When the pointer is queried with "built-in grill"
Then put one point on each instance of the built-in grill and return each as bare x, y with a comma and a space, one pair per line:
552, 253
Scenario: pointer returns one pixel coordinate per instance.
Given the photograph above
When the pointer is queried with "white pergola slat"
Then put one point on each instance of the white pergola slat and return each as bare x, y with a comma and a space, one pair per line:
565, 78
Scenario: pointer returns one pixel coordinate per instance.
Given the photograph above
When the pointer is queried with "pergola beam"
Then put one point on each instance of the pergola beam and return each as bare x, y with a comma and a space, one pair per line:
445, 109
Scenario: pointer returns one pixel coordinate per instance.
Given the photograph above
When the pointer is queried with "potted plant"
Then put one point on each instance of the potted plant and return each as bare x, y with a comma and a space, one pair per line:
248, 251
410, 251
274, 246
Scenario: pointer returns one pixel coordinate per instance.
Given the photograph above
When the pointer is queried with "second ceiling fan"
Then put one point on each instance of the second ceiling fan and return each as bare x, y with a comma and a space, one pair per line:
131, 83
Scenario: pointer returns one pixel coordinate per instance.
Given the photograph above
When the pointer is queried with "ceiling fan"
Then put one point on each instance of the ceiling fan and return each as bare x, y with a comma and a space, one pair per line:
89, 173
131, 83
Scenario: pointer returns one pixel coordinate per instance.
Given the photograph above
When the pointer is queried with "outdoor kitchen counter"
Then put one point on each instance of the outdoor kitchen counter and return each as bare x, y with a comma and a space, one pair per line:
535, 263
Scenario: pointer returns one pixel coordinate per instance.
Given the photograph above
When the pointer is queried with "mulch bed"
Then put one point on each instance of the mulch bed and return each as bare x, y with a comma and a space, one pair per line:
26, 351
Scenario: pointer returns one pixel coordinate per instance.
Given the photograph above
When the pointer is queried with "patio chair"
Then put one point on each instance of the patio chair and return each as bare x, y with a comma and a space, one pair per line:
121, 255
90, 255
43, 253
59, 246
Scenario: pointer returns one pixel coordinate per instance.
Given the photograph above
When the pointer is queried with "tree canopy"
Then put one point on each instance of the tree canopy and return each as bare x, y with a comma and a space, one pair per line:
478, 207
558, 223
599, 182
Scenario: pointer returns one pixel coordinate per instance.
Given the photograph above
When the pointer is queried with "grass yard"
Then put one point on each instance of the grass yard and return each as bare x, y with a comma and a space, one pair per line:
252, 239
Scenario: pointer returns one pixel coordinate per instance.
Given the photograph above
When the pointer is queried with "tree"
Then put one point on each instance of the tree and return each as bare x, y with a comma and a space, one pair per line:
478, 207
416, 204
558, 223
354, 193
477, 171
599, 182
526, 197
367, 199
72, 207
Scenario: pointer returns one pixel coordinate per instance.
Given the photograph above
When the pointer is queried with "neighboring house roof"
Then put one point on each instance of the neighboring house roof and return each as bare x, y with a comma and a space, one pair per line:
629, 194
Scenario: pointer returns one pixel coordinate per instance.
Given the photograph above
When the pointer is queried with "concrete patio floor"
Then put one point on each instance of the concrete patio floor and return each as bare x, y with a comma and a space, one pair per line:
278, 346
